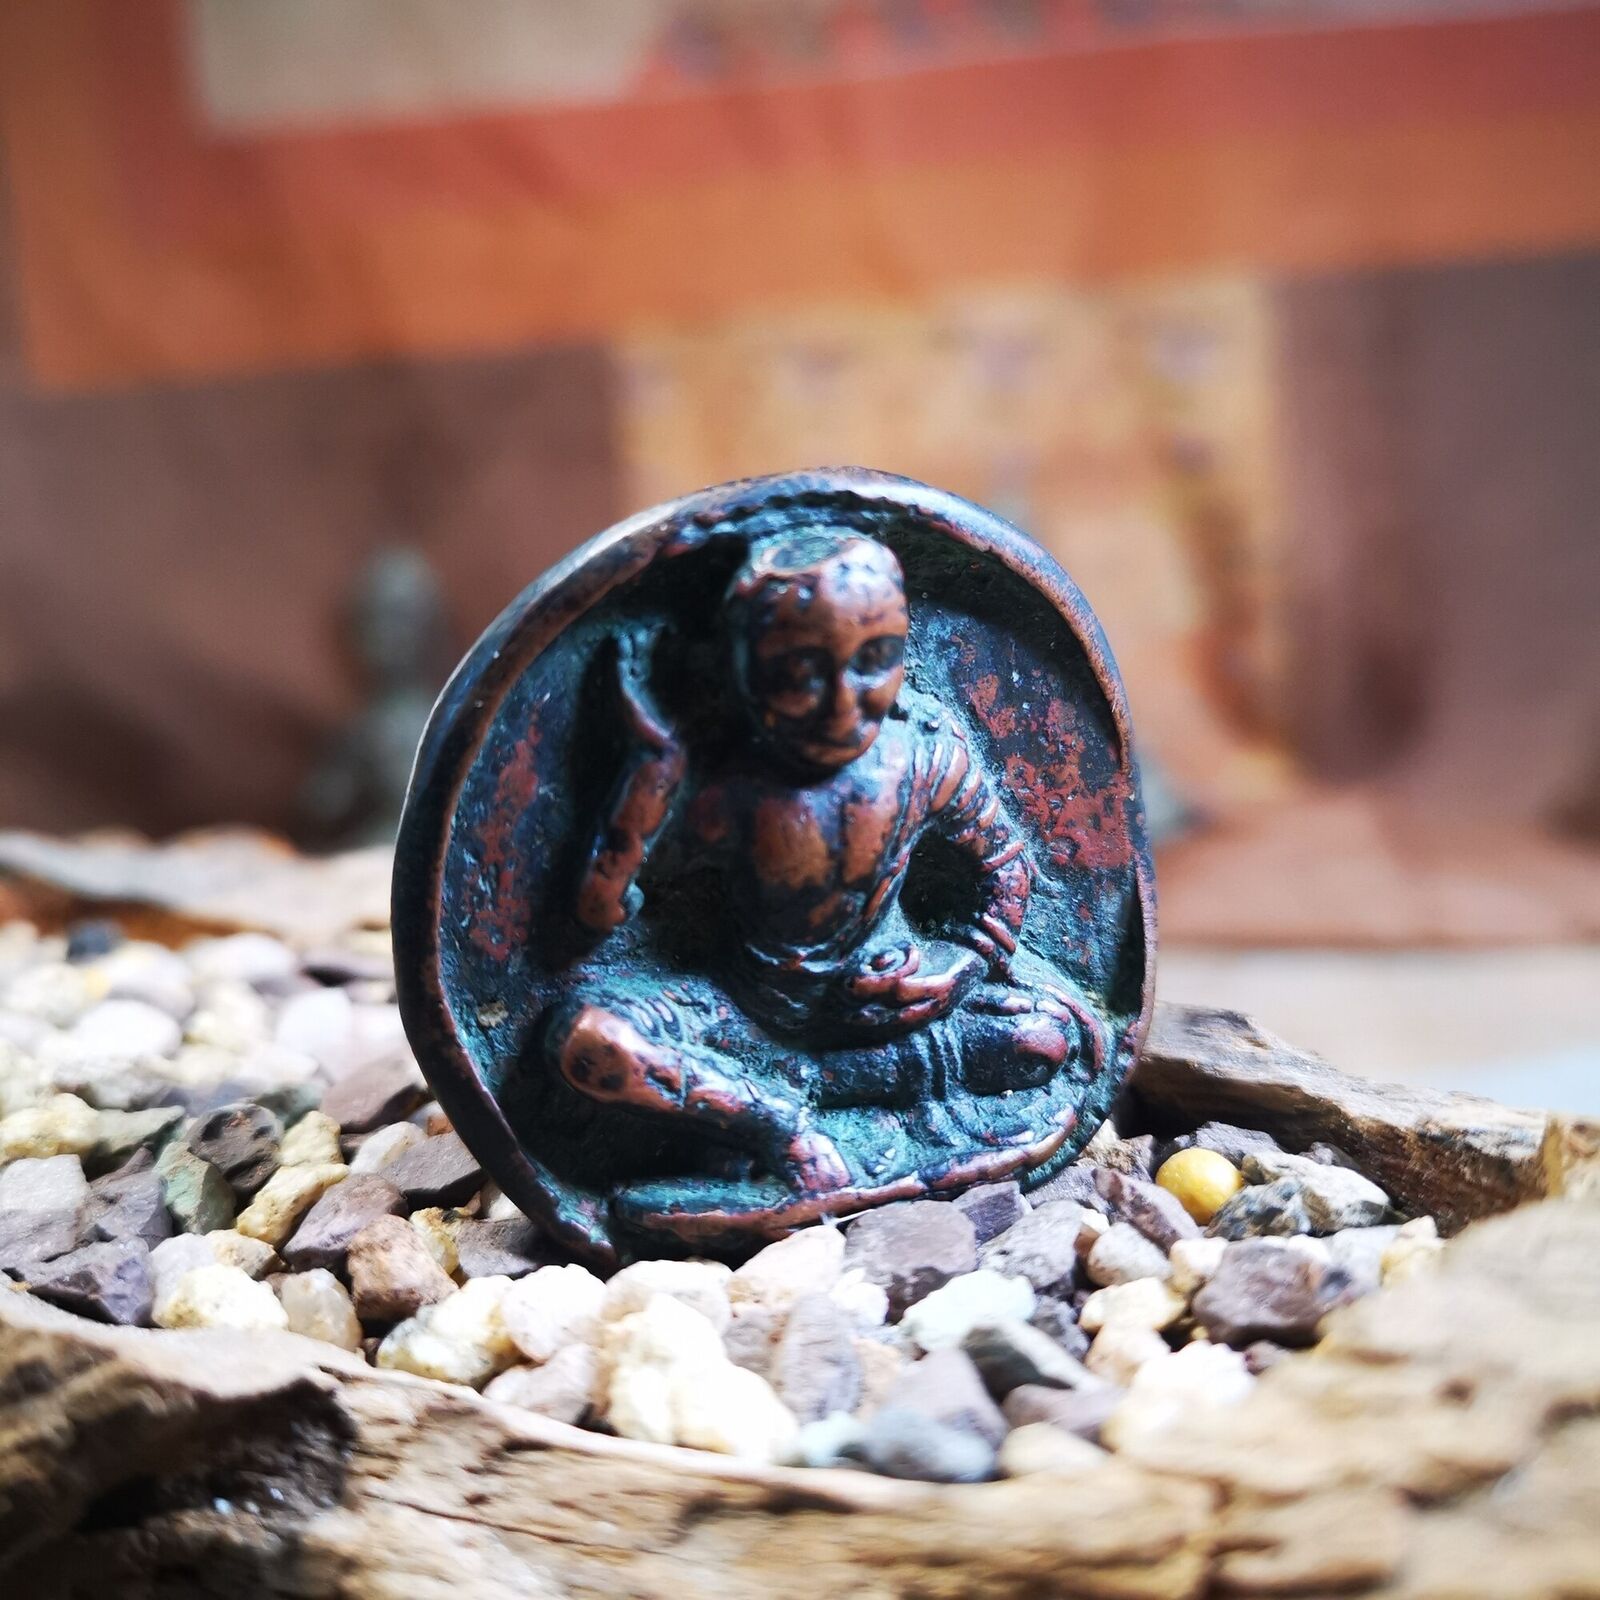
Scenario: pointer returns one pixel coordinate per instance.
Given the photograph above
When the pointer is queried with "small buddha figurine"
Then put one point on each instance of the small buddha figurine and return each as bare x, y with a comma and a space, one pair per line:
825, 995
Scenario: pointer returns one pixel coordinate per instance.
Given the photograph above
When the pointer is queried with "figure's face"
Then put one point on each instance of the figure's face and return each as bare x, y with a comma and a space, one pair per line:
827, 658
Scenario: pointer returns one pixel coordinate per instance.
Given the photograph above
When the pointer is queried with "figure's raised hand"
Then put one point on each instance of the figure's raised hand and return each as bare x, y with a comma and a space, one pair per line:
642, 717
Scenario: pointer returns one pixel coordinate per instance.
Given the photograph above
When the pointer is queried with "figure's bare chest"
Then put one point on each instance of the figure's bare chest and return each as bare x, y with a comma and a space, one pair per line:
840, 836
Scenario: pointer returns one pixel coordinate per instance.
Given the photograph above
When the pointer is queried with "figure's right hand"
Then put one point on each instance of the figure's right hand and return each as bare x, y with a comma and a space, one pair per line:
643, 719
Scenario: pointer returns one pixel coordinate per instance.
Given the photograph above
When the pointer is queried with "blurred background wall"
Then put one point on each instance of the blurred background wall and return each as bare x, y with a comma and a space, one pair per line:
1278, 323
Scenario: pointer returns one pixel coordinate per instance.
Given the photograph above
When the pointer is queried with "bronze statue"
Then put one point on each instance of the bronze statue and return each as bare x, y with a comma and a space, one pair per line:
863, 910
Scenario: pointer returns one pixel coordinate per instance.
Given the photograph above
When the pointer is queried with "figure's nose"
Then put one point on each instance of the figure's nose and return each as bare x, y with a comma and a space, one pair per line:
845, 707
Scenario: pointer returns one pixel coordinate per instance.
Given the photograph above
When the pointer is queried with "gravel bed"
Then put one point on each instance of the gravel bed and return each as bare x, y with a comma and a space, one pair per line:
235, 1135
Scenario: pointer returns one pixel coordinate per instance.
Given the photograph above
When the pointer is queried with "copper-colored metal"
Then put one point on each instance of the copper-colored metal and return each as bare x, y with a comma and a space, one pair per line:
777, 854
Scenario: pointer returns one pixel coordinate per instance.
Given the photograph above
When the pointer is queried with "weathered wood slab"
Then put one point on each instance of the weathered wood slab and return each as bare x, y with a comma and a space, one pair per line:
1455, 1157
1443, 1441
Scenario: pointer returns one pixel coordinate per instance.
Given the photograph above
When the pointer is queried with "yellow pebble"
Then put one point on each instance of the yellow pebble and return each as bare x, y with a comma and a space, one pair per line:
1202, 1180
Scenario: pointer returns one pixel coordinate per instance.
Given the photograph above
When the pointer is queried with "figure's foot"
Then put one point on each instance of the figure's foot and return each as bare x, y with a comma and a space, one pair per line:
814, 1164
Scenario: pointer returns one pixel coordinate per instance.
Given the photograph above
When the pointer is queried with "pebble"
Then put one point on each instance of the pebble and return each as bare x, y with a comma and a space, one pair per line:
1358, 1253
1059, 1320
991, 1208
61, 1125
1122, 1254
286, 1197
339, 1214
318, 1306
384, 1145
552, 1308
561, 1389
733, 1412
252, 1256
173, 1259
1009, 1355
508, 1248
127, 1205
1333, 1196
220, 1297
814, 1369
393, 1274
125, 1029
241, 1141
1042, 1447
701, 1285
1078, 1411
109, 1282
947, 1387
867, 1304
198, 1196
253, 958
1202, 1181
1229, 1141
1193, 1261
1076, 1184
1122, 1349
644, 1356
43, 1183
1158, 1215
380, 1092
881, 1366
805, 1263
435, 1232
1197, 1379
321, 1023
1415, 1248
911, 1247
150, 974
1266, 1210
751, 1338
833, 1441
230, 1016
944, 1318
120, 1135
1044, 1247
313, 1141
1108, 1148
440, 1171
92, 938
457, 1340
909, 1444
1268, 1289
1143, 1303
54, 993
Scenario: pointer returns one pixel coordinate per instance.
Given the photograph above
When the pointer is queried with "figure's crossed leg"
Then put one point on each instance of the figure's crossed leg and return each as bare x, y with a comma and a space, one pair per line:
620, 1052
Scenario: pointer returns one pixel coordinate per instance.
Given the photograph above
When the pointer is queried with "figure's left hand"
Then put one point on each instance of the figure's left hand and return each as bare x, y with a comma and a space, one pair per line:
895, 989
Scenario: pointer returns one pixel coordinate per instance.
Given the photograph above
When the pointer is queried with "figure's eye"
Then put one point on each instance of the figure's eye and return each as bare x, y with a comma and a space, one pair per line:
878, 656
798, 676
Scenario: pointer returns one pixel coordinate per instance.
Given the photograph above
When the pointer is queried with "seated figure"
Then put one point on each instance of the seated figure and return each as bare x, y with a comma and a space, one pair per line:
827, 998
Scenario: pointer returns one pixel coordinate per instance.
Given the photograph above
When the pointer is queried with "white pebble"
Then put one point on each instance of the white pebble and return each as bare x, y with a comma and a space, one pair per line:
701, 1285
1193, 1261
150, 973
941, 1320
1142, 1303
805, 1263
61, 1125
865, 1302
43, 1183
221, 1297
125, 1029
253, 958
733, 1411
313, 1140
285, 1198
1121, 1350
173, 1259
53, 992
318, 1306
384, 1145
551, 1308
234, 1249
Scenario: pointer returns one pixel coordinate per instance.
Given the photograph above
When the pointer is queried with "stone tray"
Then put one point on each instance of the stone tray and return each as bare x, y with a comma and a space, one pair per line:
1443, 1441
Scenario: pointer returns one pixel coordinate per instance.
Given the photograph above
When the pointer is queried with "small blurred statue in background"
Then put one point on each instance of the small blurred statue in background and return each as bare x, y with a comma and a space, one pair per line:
396, 628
